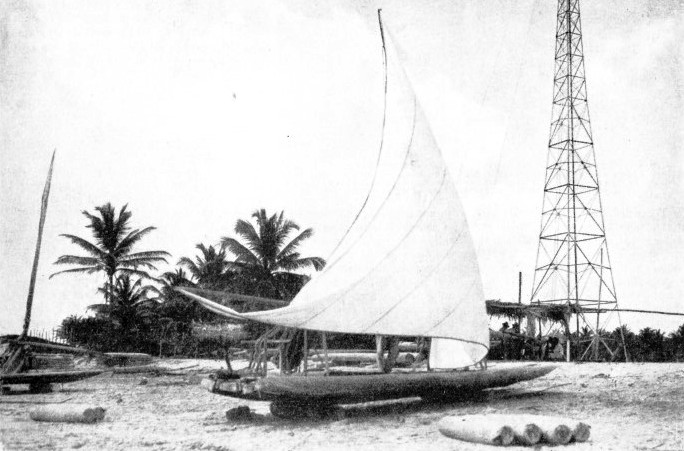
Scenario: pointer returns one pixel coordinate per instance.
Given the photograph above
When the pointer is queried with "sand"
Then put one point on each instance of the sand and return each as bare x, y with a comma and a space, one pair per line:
629, 406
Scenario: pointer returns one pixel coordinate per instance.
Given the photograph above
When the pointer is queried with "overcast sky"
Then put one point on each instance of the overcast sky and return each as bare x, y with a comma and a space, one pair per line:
197, 113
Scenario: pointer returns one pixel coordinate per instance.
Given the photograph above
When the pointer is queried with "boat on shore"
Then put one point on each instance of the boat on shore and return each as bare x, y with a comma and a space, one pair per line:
405, 267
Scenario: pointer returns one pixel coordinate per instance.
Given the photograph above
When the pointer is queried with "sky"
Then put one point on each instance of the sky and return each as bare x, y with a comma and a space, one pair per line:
195, 114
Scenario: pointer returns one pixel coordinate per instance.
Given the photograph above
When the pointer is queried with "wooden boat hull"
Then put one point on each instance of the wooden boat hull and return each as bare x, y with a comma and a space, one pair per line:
372, 387
47, 377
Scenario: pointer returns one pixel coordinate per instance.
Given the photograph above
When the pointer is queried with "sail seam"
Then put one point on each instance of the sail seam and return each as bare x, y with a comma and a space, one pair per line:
389, 194
470, 289
413, 227
382, 143
421, 283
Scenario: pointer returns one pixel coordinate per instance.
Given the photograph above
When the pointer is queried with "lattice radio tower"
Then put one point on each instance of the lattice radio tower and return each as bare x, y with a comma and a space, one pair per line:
573, 266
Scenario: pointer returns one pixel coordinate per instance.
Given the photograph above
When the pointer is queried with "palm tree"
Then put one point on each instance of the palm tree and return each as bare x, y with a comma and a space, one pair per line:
651, 344
676, 341
175, 307
208, 267
630, 342
176, 278
112, 251
267, 259
126, 297
131, 306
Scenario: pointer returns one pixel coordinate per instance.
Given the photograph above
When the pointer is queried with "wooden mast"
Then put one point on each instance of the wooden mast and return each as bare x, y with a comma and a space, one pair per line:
36, 256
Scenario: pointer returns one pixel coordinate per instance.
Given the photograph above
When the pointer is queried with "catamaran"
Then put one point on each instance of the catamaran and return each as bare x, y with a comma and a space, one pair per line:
405, 267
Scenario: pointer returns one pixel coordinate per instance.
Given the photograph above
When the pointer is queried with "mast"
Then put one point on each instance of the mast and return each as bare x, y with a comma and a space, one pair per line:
36, 256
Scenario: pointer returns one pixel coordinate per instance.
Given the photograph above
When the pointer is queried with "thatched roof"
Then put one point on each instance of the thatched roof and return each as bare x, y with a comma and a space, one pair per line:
513, 310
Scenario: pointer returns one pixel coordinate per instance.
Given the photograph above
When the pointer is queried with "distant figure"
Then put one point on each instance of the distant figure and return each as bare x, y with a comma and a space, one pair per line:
504, 340
423, 349
293, 352
391, 344
554, 350
516, 343
557, 352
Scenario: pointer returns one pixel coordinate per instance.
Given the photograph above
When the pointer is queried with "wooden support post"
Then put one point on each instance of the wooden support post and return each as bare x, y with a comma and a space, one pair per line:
325, 353
280, 356
305, 361
598, 313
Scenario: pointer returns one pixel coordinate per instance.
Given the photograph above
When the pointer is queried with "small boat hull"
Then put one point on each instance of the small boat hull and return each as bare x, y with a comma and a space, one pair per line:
354, 388
47, 377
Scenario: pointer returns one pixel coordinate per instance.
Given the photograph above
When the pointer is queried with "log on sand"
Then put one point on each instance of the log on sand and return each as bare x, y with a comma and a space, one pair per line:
555, 433
558, 430
68, 413
526, 429
581, 432
477, 429
526, 433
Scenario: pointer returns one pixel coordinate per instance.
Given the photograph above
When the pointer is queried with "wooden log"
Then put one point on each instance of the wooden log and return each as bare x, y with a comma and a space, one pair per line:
524, 427
556, 434
527, 433
558, 430
581, 432
68, 413
477, 429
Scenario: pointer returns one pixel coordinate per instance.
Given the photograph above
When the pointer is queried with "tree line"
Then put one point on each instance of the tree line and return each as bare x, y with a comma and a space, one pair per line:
141, 311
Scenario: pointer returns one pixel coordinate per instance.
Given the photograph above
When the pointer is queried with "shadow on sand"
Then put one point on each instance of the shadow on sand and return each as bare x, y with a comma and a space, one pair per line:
304, 415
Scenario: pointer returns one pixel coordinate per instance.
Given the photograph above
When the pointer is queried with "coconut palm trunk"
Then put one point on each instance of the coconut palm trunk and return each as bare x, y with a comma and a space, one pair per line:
36, 256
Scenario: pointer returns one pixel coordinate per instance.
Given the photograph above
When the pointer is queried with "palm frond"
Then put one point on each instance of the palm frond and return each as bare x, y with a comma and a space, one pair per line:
250, 235
85, 245
126, 244
176, 278
243, 254
78, 260
238, 266
135, 263
190, 265
284, 230
318, 263
88, 270
207, 252
151, 255
137, 272
292, 245
100, 308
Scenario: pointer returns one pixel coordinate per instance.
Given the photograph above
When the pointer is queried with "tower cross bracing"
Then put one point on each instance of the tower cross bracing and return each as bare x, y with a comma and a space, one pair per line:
573, 265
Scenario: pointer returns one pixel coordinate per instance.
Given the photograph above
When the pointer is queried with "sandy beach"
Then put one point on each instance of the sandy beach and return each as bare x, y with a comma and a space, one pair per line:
628, 405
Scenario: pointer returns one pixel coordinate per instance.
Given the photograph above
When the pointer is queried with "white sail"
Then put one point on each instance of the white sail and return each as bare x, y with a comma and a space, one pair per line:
407, 266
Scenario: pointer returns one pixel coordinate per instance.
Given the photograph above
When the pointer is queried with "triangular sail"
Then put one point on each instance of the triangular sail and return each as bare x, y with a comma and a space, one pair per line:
407, 266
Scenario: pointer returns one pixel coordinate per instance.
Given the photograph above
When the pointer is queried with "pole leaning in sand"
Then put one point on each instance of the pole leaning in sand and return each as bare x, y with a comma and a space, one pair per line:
36, 257
69, 413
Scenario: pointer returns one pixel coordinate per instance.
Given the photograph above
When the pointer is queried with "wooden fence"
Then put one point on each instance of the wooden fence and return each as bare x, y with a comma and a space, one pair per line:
47, 334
